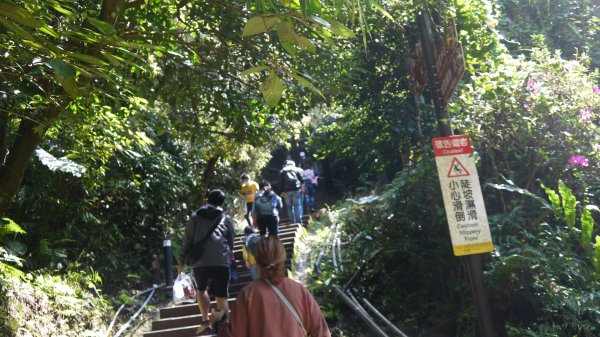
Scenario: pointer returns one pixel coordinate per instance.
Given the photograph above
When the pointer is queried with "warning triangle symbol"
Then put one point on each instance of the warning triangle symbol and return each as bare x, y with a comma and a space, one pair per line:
457, 169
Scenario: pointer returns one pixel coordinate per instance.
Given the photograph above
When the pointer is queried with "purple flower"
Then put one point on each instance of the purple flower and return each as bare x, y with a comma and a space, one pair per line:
532, 86
578, 161
596, 90
585, 114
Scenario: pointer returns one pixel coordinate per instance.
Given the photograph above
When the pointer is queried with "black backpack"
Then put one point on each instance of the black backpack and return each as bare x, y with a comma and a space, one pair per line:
290, 180
263, 205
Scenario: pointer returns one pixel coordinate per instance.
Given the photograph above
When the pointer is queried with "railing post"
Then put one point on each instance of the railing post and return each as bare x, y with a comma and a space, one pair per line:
168, 262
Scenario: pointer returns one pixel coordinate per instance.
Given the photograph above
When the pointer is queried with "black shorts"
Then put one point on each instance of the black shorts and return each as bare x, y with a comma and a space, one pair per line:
216, 277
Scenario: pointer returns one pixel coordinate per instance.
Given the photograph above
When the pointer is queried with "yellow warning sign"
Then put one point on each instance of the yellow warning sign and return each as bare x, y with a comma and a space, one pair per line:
463, 199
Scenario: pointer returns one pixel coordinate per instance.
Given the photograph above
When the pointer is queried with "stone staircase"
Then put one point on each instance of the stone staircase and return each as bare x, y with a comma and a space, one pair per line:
182, 320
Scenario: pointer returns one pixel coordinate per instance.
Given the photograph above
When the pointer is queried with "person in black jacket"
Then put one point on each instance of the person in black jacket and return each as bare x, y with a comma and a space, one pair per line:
212, 268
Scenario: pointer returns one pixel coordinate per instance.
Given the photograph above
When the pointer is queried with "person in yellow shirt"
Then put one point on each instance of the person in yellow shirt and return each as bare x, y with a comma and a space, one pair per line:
248, 241
249, 189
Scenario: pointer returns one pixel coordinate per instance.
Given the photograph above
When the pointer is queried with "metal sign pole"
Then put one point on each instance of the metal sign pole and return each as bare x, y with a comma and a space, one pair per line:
473, 262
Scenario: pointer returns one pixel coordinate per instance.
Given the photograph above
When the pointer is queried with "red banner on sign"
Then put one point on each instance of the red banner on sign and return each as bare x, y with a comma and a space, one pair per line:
451, 146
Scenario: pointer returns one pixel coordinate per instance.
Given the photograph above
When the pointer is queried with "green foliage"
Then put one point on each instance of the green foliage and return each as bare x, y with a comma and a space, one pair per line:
568, 212
530, 117
569, 25
541, 278
11, 250
401, 240
48, 304
374, 120
541, 281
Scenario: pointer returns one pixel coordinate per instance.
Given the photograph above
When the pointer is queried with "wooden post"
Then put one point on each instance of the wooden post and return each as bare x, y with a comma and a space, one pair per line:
472, 262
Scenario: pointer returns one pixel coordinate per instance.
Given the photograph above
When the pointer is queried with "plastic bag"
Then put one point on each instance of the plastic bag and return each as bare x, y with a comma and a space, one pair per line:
184, 290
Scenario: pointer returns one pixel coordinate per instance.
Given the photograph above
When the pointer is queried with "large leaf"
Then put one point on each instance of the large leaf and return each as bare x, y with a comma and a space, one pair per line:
65, 75
339, 29
254, 25
272, 89
19, 15
104, 27
305, 44
254, 70
88, 59
9, 227
290, 40
569, 203
511, 187
554, 199
587, 228
16, 29
61, 68
304, 82
59, 164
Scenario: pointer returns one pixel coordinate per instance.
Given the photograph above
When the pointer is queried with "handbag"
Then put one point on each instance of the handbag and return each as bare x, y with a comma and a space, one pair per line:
197, 249
289, 306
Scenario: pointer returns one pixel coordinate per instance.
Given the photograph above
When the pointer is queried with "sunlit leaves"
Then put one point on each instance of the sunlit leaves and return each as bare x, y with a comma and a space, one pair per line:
272, 89
290, 40
587, 228
19, 15
9, 227
254, 70
304, 82
258, 24
569, 203
102, 26
65, 75
60, 164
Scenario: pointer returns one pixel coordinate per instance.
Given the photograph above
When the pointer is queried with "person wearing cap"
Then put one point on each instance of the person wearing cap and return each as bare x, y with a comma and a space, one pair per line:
249, 189
212, 267
291, 186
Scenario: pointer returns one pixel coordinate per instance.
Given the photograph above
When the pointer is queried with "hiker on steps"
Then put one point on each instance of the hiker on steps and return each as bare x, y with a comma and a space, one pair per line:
265, 210
291, 186
260, 311
248, 191
211, 225
248, 242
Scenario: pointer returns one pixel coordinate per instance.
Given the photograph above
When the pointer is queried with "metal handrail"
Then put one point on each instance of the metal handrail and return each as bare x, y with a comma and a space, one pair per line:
124, 327
347, 296
317, 263
383, 318
355, 306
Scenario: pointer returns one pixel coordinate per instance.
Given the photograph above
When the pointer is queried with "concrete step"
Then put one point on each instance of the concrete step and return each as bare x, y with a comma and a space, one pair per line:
183, 320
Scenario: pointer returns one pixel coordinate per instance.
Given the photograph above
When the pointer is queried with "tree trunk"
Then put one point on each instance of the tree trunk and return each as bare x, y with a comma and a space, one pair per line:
207, 176
13, 170
111, 10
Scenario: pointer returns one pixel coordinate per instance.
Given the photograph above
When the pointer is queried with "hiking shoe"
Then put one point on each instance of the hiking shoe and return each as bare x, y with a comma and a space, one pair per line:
204, 329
